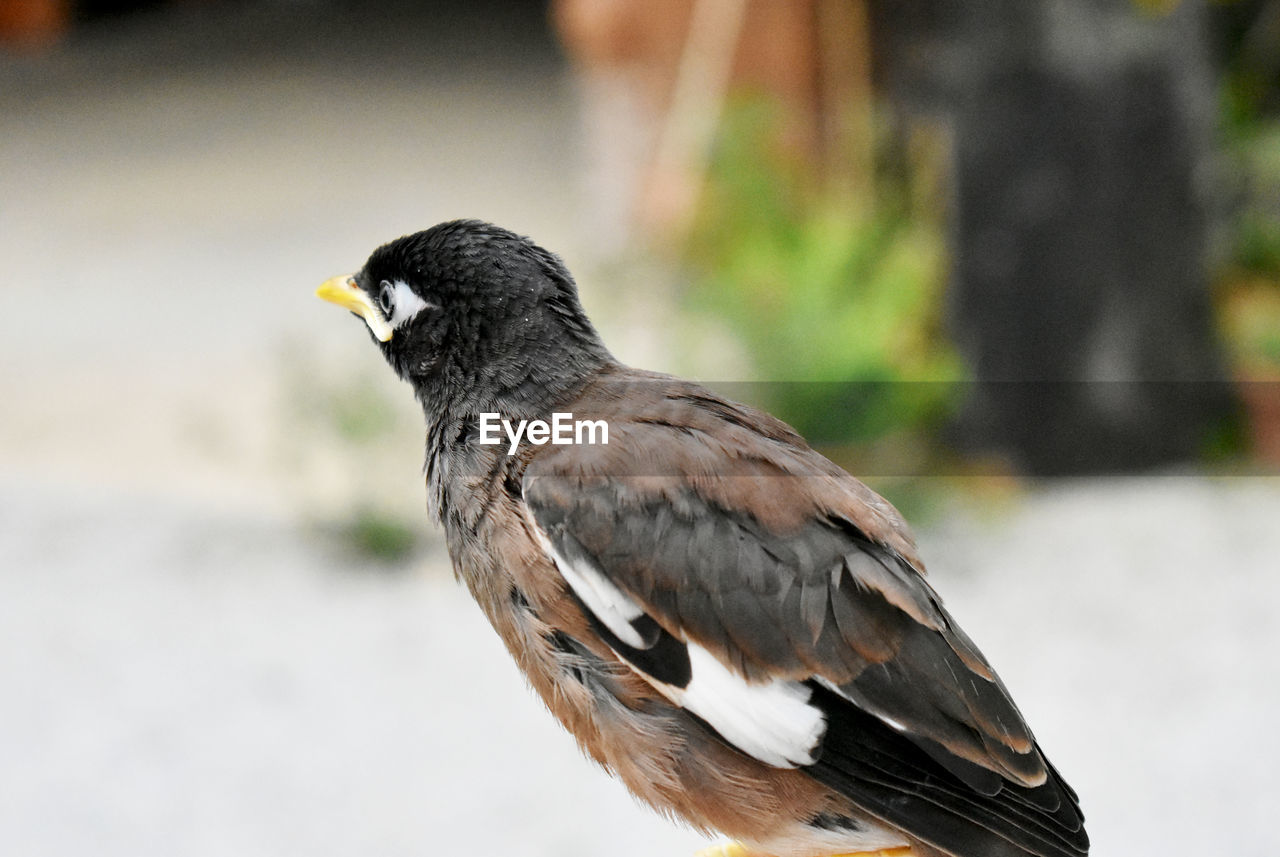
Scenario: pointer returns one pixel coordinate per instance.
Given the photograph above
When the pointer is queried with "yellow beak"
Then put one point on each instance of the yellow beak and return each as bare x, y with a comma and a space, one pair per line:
344, 292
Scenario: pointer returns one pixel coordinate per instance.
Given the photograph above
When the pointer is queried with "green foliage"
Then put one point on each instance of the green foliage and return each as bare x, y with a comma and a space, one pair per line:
1249, 287
1257, 242
378, 536
1156, 8
837, 298
1250, 315
1253, 152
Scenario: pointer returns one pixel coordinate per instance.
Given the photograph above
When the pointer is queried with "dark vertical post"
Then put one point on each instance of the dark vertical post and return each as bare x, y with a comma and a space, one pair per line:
1082, 173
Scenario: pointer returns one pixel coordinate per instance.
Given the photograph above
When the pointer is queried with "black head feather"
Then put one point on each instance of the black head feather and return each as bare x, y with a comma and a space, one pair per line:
503, 328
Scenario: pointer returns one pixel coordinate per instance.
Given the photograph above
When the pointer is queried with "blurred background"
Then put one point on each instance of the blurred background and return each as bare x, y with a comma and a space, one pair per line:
1017, 262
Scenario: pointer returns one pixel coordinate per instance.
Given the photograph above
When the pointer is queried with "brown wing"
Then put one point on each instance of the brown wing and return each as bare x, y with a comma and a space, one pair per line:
731, 533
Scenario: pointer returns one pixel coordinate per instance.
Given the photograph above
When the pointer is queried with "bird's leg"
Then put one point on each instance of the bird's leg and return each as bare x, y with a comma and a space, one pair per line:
737, 849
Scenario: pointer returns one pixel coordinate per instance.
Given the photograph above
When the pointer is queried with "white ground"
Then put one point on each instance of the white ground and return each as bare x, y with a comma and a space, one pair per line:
187, 669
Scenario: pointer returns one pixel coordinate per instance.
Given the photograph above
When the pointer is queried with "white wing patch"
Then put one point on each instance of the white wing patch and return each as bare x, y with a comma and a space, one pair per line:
610, 604
772, 722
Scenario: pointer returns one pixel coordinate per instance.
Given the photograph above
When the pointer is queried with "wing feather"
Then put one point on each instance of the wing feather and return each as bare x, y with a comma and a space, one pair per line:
783, 568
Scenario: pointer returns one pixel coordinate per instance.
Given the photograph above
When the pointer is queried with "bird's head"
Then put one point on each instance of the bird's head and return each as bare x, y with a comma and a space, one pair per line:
473, 315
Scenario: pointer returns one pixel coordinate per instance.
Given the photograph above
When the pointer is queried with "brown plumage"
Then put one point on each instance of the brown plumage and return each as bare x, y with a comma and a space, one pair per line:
734, 626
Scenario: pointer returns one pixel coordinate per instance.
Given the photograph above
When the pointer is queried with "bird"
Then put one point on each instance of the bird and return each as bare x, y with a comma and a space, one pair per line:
725, 620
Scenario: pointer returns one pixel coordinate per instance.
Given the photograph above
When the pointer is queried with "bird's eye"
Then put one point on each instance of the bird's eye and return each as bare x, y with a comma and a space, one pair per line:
387, 299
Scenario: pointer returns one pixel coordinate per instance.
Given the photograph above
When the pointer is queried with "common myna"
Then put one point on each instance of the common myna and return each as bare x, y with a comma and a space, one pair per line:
731, 624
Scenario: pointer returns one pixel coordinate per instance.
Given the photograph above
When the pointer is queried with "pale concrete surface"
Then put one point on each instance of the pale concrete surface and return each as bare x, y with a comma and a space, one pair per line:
1135, 623
187, 669
178, 682
181, 681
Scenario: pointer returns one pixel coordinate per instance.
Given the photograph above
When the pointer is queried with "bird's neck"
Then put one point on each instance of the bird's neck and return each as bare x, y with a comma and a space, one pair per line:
452, 410
526, 390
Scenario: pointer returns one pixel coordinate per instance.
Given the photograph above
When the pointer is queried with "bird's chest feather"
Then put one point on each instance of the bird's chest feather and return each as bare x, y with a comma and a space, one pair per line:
510, 575
618, 719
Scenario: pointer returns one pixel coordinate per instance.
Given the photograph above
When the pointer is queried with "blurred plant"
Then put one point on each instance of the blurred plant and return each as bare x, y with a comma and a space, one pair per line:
347, 435
1157, 7
1249, 312
1251, 319
1249, 285
378, 535
837, 296
1252, 146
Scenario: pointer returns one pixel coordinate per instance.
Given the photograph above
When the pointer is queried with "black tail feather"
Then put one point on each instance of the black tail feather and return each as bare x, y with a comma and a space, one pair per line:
886, 773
